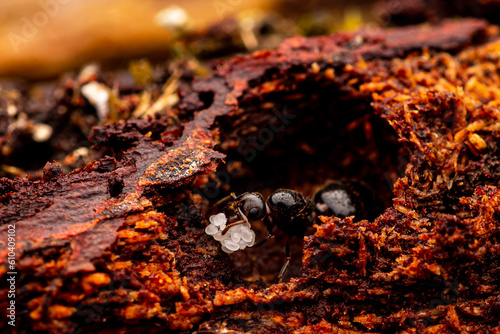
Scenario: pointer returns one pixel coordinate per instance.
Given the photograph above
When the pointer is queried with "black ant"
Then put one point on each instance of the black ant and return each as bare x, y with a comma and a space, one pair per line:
288, 210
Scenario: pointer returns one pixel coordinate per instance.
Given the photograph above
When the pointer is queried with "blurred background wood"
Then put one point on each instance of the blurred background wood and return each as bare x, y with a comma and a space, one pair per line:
40, 39
80, 31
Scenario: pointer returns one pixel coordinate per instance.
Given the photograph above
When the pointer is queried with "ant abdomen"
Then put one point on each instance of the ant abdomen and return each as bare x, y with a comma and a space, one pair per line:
345, 198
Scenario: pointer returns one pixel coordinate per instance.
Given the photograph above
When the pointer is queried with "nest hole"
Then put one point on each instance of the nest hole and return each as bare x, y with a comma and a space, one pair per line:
299, 139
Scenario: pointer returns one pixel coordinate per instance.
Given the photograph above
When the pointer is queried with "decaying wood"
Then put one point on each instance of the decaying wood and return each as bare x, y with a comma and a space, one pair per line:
119, 245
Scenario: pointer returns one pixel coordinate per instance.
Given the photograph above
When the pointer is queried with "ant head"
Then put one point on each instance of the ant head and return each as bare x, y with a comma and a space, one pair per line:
252, 206
286, 203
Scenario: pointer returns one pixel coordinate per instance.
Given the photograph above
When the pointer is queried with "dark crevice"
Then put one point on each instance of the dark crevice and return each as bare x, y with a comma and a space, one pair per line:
207, 98
300, 141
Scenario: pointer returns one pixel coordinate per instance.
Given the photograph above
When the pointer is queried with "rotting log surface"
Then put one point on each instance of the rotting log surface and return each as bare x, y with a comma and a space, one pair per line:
120, 246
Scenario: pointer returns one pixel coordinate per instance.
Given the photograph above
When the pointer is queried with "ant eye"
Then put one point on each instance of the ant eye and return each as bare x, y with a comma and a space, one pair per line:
252, 205
254, 212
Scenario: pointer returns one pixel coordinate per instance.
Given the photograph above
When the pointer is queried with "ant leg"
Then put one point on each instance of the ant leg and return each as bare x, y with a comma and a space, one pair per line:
261, 242
269, 226
239, 222
284, 269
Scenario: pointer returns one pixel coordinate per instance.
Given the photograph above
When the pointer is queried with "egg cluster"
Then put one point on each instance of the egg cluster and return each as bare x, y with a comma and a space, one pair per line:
236, 238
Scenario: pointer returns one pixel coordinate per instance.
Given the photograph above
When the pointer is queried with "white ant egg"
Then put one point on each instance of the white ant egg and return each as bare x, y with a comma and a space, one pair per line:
232, 246
247, 235
226, 250
211, 229
218, 236
235, 236
218, 219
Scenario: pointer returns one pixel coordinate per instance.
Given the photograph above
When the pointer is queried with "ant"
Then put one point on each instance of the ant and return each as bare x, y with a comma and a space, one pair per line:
288, 210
